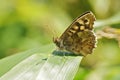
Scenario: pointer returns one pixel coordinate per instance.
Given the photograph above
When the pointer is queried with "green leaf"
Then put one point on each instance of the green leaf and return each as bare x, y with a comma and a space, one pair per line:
43, 67
9, 62
110, 21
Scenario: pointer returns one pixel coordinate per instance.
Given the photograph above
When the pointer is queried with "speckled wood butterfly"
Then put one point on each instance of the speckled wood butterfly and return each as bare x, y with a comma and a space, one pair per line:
79, 37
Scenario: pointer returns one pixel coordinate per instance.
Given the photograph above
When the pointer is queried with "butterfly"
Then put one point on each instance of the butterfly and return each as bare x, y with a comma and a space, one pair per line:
79, 37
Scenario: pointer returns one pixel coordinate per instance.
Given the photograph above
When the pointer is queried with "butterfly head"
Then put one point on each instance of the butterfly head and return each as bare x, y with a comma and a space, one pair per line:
56, 41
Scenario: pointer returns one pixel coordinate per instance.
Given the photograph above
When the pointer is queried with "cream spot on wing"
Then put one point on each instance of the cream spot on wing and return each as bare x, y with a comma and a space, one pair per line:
72, 31
81, 22
75, 27
82, 27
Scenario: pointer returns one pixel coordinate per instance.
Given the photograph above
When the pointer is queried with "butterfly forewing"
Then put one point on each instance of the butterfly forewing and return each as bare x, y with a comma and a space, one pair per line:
78, 37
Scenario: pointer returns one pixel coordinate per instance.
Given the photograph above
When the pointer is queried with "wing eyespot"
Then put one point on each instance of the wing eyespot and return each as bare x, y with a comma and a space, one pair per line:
86, 21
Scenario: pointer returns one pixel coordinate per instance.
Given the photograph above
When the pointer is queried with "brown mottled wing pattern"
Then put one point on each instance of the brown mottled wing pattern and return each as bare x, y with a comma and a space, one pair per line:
79, 37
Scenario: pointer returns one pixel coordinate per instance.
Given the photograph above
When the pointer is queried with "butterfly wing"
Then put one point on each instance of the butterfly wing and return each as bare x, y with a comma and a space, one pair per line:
79, 37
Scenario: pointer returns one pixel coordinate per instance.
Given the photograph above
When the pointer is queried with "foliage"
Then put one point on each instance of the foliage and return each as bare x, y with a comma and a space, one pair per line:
27, 24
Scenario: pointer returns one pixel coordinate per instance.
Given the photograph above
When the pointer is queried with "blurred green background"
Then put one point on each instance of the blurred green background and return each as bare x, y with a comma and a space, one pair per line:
26, 24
